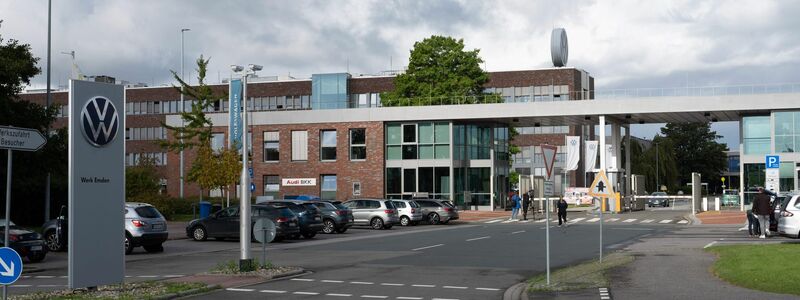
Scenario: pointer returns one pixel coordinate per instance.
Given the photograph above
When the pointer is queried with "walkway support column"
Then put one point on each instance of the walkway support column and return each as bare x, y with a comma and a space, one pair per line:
628, 170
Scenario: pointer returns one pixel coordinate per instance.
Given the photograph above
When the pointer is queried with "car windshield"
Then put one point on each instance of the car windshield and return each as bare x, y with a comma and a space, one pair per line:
147, 212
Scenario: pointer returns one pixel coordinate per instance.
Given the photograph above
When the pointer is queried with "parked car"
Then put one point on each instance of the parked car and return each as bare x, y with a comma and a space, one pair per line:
776, 204
409, 212
730, 198
335, 216
309, 216
144, 226
789, 217
26, 242
225, 223
437, 211
377, 213
659, 199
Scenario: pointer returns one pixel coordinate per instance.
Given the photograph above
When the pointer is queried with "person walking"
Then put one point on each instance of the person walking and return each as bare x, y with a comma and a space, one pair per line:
515, 204
762, 210
526, 203
562, 211
752, 224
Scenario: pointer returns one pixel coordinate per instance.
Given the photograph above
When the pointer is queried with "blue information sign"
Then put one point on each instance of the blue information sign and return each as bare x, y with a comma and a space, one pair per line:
10, 266
773, 161
252, 187
235, 114
250, 171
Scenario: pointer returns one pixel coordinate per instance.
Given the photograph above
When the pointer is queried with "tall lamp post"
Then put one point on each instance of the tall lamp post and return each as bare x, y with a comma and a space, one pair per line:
183, 108
49, 102
658, 185
245, 261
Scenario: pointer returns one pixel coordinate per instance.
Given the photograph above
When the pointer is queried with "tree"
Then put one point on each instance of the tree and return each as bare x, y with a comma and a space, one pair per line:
643, 162
142, 180
440, 71
697, 150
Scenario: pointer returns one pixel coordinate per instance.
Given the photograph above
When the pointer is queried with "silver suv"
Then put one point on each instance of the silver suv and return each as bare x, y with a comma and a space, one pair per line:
409, 212
438, 211
377, 213
144, 226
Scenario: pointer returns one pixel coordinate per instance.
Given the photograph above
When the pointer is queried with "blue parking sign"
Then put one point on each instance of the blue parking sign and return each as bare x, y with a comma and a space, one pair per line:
773, 161
10, 266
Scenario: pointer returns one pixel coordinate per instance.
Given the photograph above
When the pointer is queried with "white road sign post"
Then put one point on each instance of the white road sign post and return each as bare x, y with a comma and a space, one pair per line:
601, 188
549, 156
19, 139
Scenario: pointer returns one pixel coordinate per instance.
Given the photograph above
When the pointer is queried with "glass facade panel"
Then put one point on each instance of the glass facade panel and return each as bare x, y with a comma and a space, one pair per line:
425, 133
329, 91
442, 151
327, 145
442, 133
393, 134
409, 180
756, 135
409, 133
394, 153
754, 176
784, 123
784, 144
410, 152
328, 187
425, 180
426, 152
358, 144
393, 181
442, 182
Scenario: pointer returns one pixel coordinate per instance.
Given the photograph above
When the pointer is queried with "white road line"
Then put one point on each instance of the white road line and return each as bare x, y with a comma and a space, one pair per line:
443, 299
339, 295
629, 221
332, 281
683, 222
239, 290
173, 276
576, 220
427, 247
44, 276
648, 221
515, 232
302, 279
524, 221
480, 238
128, 276
709, 244
23, 277
487, 289
494, 221
409, 298
21, 285
592, 220
423, 285
374, 297
361, 282
455, 287
50, 285
612, 220
541, 221
605, 298
393, 284
305, 293
273, 291
147, 276
665, 221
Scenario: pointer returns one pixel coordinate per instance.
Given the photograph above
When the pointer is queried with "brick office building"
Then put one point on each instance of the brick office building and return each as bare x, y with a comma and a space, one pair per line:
329, 136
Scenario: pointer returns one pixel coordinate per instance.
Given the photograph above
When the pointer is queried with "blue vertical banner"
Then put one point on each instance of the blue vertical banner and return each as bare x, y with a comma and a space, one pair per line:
235, 114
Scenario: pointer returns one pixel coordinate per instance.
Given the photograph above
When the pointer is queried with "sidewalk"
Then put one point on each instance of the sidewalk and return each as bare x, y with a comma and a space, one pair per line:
722, 217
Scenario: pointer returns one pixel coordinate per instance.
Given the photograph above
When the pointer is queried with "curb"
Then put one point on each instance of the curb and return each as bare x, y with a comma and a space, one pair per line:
516, 292
693, 220
193, 292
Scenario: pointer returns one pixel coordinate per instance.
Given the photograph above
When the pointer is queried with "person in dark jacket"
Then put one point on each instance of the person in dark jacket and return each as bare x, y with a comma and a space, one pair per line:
752, 224
562, 211
526, 203
762, 209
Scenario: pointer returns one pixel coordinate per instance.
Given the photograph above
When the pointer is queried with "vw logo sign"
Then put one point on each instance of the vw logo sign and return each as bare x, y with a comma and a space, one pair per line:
99, 121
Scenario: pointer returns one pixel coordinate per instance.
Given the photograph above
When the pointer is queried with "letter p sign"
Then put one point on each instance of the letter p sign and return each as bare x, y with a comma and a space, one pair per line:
773, 161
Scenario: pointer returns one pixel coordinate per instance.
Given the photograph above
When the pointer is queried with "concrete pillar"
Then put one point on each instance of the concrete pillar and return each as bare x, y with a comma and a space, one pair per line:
602, 145
628, 171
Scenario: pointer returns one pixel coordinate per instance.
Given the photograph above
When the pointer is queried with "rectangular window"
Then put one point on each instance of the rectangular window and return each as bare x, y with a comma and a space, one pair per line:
328, 187
272, 185
327, 147
271, 146
425, 182
393, 181
409, 180
300, 145
409, 133
358, 144
217, 141
356, 188
756, 135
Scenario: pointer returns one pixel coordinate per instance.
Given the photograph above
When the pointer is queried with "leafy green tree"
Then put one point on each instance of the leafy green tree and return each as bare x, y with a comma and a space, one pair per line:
440, 71
643, 162
142, 180
697, 150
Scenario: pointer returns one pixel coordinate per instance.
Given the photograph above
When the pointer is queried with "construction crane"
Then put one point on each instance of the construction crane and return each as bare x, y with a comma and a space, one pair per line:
76, 71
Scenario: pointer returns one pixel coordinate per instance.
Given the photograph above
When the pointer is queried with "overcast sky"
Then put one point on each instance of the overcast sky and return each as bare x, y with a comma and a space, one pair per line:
623, 44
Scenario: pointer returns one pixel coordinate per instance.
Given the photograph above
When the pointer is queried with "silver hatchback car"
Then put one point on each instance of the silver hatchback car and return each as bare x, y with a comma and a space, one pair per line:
437, 211
144, 226
409, 212
377, 213
789, 217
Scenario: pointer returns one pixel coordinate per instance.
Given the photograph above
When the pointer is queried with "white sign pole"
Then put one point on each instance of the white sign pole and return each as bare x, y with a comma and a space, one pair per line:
8, 212
602, 169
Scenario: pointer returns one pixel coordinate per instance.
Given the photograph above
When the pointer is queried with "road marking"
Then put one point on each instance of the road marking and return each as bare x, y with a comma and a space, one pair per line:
541, 221
710, 244
515, 232
44, 276
509, 221
592, 220
21, 285
455, 287
665, 221
239, 290
423, 285
339, 295
427, 247
147, 276
480, 238
494, 221
524, 221
393, 284
332, 281
50, 285
612, 220
374, 297
410, 298
576, 220
629, 221
173, 276
305, 293
683, 222
648, 221
361, 282
487, 289
443, 299
302, 279
273, 291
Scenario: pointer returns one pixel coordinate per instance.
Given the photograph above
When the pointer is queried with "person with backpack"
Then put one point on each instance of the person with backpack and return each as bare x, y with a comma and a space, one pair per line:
562, 211
526, 203
515, 205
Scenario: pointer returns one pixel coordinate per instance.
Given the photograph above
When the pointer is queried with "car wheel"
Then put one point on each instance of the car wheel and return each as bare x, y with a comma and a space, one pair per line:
51, 241
128, 244
376, 223
34, 258
309, 235
405, 221
154, 248
433, 218
199, 233
341, 230
328, 226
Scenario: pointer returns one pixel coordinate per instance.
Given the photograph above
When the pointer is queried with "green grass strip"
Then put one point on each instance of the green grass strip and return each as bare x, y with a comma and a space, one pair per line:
766, 267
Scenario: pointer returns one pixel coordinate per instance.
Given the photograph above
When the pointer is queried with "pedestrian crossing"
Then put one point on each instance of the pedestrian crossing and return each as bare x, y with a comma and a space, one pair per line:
591, 220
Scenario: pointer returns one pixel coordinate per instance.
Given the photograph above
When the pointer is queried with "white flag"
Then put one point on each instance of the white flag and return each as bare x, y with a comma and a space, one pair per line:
591, 156
573, 152
611, 158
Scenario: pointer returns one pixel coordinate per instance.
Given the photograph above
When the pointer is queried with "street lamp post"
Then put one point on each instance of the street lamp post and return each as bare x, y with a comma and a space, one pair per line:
245, 261
658, 185
183, 109
49, 102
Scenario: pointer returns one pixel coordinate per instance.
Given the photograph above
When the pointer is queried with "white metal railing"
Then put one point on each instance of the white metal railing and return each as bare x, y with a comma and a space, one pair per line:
777, 88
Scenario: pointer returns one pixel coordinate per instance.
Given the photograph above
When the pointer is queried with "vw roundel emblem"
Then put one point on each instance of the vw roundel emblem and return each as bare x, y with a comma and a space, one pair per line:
99, 121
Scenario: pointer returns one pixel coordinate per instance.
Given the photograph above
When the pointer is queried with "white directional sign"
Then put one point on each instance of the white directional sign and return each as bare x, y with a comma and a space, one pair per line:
549, 155
21, 139
10, 266
601, 186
